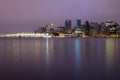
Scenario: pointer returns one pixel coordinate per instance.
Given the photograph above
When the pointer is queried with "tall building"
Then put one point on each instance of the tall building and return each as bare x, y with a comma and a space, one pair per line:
51, 30
51, 25
78, 22
111, 26
87, 28
68, 24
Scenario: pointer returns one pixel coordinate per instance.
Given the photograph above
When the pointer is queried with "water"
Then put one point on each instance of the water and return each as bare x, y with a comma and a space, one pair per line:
60, 59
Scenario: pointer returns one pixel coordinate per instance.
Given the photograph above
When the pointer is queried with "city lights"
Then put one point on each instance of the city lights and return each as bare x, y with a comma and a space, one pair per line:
108, 29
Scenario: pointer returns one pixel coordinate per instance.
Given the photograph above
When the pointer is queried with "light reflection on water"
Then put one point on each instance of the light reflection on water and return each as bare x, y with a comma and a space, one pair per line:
59, 59
109, 53
47, 51
77, 53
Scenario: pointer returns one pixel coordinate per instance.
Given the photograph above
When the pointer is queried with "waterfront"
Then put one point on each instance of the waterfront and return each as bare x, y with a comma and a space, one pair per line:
59, 59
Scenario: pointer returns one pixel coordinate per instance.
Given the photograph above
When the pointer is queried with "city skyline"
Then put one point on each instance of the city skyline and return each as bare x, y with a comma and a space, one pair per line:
27, 15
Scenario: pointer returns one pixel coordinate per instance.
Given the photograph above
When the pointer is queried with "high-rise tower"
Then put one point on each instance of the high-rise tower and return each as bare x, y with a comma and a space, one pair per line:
78, 22
68, 24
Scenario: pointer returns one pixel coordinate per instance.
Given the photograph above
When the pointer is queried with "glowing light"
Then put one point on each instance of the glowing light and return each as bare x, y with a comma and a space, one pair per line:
27, 35
52, 24
78, 18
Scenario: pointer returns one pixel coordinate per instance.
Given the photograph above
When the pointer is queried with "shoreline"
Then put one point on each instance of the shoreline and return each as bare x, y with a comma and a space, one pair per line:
47, 35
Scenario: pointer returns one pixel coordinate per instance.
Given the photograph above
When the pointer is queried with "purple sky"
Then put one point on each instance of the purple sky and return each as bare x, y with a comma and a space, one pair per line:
27, 15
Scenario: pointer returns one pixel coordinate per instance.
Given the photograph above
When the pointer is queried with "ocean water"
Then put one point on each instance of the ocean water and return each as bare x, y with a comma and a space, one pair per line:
59, 59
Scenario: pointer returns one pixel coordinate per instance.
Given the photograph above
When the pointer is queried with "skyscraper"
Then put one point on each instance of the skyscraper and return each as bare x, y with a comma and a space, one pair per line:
112, 27
51, 25
51, 30
68, 24
87, 28
78, 22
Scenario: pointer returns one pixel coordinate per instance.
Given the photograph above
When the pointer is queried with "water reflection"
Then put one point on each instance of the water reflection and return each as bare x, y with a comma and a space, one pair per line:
63, 59
77, 54
51, 50
109, 55
98, 46
99, 51
47, 51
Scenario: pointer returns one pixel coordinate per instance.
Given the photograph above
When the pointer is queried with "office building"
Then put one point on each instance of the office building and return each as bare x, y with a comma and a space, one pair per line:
78, 22
68, 24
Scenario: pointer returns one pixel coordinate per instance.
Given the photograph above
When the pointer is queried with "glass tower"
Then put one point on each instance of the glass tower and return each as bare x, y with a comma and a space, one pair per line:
78, 22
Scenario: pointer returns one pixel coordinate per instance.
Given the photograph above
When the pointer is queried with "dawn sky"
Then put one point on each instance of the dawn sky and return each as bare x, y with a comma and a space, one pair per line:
27, 15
